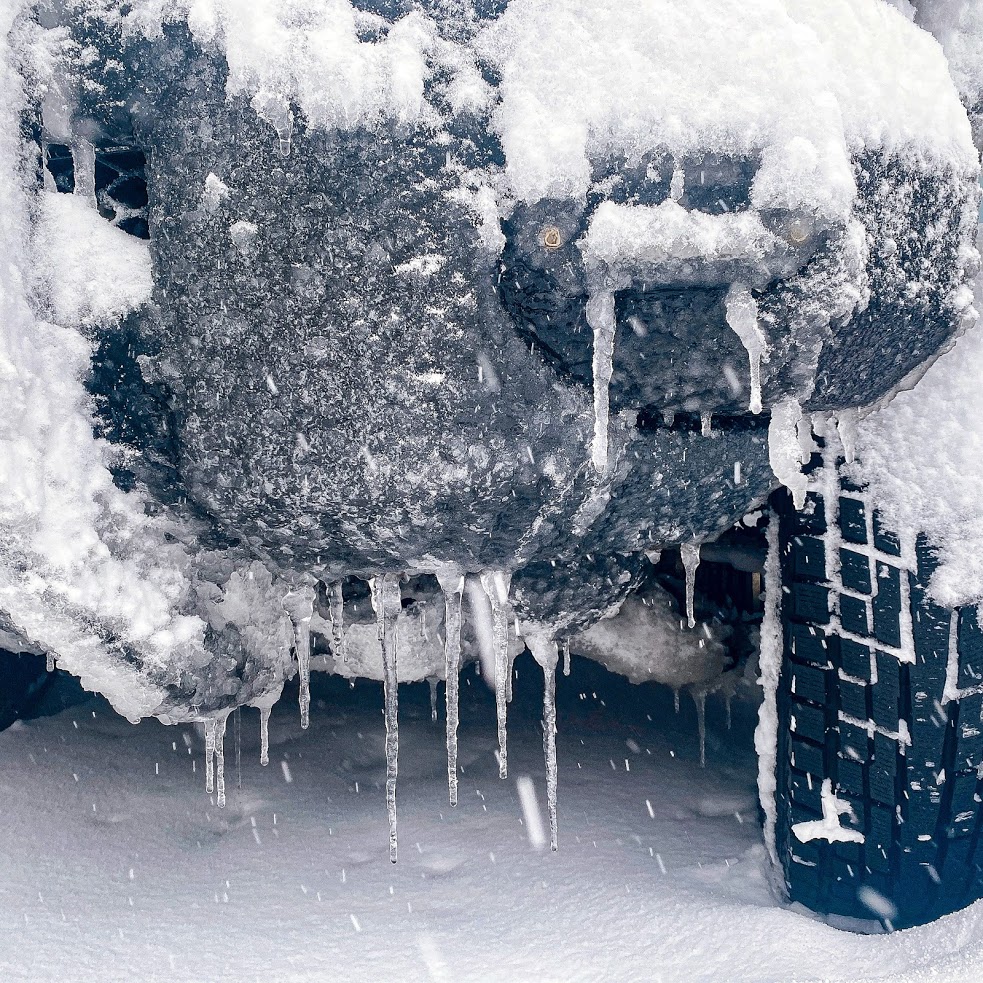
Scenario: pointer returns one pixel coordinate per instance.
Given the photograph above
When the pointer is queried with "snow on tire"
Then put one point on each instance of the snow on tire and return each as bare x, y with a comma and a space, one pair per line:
879, 698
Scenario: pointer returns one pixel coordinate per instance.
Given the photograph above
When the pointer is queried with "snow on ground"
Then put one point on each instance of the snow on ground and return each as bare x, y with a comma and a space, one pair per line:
117, 866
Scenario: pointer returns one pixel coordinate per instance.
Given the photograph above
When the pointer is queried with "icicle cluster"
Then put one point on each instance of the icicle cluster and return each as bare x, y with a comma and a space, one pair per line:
387, 604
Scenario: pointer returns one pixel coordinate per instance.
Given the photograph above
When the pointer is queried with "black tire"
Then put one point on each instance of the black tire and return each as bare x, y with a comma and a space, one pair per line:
858, 670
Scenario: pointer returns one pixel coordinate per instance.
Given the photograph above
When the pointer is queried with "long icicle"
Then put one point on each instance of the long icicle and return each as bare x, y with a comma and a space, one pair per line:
238, 737
544, 650
690, 555
220, 760
496, 586
700, 699
264, 735
336, 610
600, 316
210, 756
387, 601
302, 645
566, 656
452, 585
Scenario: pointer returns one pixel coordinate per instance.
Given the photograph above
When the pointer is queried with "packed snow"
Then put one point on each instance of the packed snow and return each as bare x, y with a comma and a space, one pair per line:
921, 457
117, 867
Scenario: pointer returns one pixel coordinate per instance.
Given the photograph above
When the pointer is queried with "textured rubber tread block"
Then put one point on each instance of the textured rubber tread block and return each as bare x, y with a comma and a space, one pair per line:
881, 826
963, 793
853, 520
969, 735
806, 757
855, 659
887, 606
853, 615
850, 776
885, 540
853, 742
808, 683
970, 649
808, 558
809, 602
962, 826
846, 860
811, 519
855, 571
882, 783
878, 860
858, 818
930, 633
810, 722
802, 882
853, 700
800, 814
805, 853
923, 815
806, 796
885, 696
809, 645
926, 557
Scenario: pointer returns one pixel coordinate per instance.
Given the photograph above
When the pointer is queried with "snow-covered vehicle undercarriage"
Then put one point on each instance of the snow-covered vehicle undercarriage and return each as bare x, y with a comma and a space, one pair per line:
378, 309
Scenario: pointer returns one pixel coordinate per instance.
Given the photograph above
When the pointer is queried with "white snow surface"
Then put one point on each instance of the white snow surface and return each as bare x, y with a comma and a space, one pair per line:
90, 272
922, 457
645, 640
70, 541
118, 867
958, 24
797, 83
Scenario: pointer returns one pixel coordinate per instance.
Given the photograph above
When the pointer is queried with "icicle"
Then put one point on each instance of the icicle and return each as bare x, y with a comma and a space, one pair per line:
544, 651
432, 680
675, 699
264, 736
238, 737
387, 602
496, 586
706, 424
600, 316
784, 449
50, 662
677, 184
84, 162
302, 643
339, 647
220, 761
727, 700
452, 586
846, 427
210, 756
566, 656
700, 699
277, 112
690, 554
742, 317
